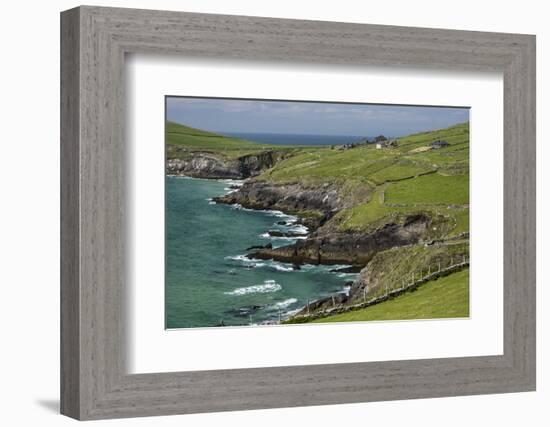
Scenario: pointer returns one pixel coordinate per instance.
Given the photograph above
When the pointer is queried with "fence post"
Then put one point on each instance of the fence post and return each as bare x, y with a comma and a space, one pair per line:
280, 317
439, 266
308, 307
365, 294
250, 318
333, 303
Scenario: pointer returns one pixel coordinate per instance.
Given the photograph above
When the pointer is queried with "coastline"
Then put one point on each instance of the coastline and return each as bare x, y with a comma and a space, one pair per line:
388, 214
295, 219
292, 222
364, 249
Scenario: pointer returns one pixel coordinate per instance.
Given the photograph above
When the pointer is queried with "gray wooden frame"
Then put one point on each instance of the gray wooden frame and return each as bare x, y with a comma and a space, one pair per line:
94, 41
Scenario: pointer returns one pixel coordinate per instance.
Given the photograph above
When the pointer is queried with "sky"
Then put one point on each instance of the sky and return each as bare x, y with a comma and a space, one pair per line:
313, 118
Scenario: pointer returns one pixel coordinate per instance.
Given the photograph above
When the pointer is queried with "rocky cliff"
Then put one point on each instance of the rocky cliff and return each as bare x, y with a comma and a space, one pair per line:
314, 204
214, 166
348, 248
384, 256
326, 244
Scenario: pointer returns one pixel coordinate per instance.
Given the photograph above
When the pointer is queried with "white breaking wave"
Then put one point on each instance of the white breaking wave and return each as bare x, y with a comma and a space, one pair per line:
245, 260
232, 182
280, 214
267, 286
347, 275
238, 258
285, 303
291, 219
268, 236
256, 263
229, 190
281, 267
299, 228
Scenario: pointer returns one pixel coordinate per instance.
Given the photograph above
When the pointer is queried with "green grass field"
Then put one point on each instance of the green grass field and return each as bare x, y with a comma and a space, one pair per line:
447, 297
181, 141
432, 189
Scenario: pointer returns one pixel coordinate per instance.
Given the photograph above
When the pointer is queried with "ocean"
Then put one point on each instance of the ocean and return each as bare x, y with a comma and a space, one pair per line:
210, 282
297, 139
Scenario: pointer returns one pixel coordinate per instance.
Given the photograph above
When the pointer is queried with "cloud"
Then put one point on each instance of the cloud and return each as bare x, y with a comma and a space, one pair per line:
234, 115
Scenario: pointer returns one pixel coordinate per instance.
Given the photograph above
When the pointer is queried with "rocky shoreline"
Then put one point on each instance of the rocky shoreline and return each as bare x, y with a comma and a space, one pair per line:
325, 245
355, 249
210, 166
316, 207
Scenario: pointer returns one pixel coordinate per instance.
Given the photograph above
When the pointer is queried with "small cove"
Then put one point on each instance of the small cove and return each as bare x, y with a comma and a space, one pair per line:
209, 280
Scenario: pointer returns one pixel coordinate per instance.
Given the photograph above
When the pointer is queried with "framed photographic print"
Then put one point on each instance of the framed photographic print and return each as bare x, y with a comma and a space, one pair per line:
318, 225
292, 213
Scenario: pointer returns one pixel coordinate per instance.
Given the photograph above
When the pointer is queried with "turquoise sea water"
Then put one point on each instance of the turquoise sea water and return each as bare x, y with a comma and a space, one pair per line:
209, 281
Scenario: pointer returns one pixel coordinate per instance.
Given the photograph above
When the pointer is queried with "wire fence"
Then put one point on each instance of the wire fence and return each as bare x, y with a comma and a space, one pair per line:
408, 283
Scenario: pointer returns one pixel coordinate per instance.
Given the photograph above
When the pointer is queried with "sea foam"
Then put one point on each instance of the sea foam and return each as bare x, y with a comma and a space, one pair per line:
267, 286
280, 267
247, 262
285, 303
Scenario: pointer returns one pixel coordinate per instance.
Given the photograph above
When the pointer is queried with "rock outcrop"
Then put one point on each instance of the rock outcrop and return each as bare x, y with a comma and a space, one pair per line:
325, 244
315, 204
348, 248
212, 166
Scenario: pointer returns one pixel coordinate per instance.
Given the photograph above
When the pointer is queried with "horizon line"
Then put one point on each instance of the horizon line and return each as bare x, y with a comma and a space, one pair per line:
220, 132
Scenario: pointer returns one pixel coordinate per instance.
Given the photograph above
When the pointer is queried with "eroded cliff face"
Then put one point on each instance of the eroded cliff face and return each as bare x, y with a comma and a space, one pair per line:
208, 165
203, 166
348, 248
316, 204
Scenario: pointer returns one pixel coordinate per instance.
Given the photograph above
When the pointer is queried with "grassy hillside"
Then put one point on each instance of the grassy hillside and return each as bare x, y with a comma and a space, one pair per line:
402, 180
409, 179
446, 297
378, 166
182, 141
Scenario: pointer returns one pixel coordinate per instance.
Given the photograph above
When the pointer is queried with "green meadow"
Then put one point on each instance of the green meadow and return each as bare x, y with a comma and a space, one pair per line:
182, 141
400, 180
447, 297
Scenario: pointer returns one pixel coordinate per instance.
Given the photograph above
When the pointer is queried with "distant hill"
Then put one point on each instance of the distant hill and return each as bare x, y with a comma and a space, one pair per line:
179, 136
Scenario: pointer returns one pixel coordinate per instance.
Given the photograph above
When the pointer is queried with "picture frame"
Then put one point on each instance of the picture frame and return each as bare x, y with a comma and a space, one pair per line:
94, 380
